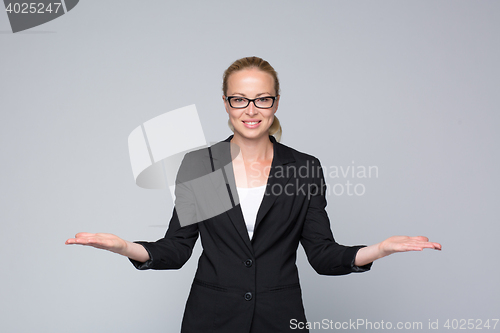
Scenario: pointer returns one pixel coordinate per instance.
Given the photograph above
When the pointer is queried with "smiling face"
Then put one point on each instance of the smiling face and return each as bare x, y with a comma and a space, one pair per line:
251, 122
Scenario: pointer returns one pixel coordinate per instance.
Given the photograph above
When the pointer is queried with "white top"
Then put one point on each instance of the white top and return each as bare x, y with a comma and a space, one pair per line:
250, 199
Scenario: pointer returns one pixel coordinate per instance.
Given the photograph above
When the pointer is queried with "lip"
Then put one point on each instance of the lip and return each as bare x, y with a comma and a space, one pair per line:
251, 125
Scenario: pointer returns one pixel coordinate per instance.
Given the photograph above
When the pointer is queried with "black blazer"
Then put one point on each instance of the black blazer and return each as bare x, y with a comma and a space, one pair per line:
244, 285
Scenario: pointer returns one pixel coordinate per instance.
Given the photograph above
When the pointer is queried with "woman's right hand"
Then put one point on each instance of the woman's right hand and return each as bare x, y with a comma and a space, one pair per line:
104, 241
111, 243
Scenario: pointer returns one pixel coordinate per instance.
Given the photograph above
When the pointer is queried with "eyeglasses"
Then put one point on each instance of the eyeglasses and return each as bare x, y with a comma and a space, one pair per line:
238, 102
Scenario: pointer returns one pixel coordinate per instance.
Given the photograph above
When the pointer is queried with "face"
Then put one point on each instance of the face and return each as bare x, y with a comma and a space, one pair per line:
251, 122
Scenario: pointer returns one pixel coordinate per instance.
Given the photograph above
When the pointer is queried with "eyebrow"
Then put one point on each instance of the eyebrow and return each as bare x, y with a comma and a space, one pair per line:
264, 93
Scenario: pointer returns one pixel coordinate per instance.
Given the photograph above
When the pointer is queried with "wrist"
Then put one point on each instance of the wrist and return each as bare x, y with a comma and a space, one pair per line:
382, 250
126, 249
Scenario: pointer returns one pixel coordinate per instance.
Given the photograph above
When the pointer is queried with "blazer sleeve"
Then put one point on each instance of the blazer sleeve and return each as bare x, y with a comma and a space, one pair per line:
174, 250
325, 255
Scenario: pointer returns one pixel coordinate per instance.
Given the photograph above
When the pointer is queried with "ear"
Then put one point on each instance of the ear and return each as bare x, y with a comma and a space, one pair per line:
225, 104
276, 103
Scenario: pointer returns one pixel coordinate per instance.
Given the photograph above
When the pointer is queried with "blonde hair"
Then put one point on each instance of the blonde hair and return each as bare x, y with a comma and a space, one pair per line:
260, 64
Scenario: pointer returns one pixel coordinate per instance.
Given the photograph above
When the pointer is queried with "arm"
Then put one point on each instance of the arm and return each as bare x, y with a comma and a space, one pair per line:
325, 255
170, 252
174, 250
392, 245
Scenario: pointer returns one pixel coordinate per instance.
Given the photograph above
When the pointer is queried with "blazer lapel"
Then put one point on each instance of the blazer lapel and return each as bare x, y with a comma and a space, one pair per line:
221, 154
278, 178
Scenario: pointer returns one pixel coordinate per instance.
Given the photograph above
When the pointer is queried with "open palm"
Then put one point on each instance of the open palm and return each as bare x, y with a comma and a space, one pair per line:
104, 241
405, 243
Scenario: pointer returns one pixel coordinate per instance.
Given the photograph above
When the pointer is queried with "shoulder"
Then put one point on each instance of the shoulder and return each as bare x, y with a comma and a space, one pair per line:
298, 156
220, 151
192, 164
196, 153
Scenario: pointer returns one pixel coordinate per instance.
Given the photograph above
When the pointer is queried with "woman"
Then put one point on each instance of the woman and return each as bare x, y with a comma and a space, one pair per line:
247, 280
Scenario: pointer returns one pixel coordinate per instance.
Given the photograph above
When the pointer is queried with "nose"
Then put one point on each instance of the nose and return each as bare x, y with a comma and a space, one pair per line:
251, 109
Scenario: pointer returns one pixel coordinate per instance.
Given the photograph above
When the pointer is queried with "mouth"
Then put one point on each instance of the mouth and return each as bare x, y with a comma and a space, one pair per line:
253, 122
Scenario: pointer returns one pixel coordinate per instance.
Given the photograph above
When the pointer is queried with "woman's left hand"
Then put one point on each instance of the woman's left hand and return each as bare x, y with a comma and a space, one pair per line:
405, 243
392, 245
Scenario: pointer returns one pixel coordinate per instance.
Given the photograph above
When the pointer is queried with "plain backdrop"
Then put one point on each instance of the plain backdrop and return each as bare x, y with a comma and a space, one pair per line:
410, 87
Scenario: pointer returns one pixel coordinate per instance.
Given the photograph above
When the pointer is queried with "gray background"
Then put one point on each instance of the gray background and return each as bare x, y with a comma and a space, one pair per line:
408, 86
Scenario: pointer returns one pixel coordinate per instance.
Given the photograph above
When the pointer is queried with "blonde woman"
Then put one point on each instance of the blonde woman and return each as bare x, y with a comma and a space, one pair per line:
247, 279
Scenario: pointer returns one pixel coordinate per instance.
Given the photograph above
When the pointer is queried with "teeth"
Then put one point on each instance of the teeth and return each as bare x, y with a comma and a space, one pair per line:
251, 122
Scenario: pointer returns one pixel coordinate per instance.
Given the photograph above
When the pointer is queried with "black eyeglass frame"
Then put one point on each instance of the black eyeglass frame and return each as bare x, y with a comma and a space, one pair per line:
228, 99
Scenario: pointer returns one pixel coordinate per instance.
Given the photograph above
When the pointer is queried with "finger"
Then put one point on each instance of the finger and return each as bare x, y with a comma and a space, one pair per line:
84, 234
432, 245
90, 240
76, 240
97, 243
437, 246
428, 246
421, 238
79, 241
409, 248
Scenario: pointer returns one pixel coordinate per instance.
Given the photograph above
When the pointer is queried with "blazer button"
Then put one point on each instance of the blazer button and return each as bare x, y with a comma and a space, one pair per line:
248, 296
248, 262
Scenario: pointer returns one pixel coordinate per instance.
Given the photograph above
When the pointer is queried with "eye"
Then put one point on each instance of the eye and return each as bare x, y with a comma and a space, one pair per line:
265, 99
238, 100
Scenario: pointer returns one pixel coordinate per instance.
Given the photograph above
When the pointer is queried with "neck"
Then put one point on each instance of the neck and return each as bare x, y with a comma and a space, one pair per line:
258, 149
